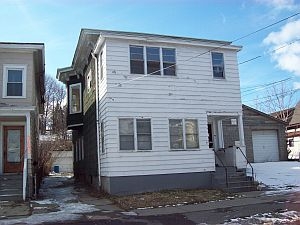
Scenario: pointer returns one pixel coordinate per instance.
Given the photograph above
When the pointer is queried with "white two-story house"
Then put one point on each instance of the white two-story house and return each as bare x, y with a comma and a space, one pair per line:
22, 73
146, 110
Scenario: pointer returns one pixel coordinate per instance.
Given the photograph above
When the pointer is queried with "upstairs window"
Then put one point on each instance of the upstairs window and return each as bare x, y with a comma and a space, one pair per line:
137, 60
14, 77
169, 61
153, 61
75, 98
218, 64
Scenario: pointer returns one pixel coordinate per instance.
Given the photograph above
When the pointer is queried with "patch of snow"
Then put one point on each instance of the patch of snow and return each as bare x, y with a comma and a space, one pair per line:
150, 207
129, 213
278, 176
267, 218
59, 194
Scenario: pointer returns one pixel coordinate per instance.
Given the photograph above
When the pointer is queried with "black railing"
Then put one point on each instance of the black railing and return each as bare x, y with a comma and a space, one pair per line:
223, 165
252, 170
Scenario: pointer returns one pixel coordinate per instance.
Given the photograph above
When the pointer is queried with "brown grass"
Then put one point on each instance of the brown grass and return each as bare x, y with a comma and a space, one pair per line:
169, 198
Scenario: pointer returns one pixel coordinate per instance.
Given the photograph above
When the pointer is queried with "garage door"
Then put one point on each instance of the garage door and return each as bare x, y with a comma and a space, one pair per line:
265, 146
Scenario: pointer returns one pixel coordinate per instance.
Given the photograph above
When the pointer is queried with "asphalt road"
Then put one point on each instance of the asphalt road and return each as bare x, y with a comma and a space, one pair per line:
219, 216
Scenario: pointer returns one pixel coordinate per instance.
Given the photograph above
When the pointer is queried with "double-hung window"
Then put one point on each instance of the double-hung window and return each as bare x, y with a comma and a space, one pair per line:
135, 134
183, 134
153, 61
14, 81
137, 59
218, 64
169, 61
75, 98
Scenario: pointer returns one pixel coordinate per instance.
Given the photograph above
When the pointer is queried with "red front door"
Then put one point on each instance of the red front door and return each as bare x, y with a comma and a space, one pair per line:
13, 148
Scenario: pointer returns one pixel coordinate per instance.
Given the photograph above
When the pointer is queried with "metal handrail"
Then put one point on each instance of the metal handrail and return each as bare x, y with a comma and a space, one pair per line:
252, 170
226, 171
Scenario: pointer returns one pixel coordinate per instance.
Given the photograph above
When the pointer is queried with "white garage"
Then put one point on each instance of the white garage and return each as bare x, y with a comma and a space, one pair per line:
265, 145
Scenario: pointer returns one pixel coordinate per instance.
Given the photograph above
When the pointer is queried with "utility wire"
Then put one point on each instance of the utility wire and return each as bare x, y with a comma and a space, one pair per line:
212, 49
269, 52
266, 86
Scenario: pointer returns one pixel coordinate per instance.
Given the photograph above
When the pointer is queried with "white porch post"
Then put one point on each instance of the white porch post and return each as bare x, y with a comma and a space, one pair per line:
241, 130
27, 153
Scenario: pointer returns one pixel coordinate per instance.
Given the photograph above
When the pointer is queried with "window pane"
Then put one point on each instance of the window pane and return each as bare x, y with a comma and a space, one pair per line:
218, 64
126, 133
144, 134
153, 68
126, 126
176, 134
191, 134
143, 126
137, 59
13, 146
153, 60
169, 61
144, 142
168, 55
136, 67
126, 142
14, 89
169, 69
14, 76
75, 98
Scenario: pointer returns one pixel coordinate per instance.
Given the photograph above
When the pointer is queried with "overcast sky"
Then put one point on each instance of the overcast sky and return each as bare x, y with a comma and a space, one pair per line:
57, 23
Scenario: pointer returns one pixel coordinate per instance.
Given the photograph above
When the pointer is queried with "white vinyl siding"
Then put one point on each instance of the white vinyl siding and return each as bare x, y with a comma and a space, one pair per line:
190, 94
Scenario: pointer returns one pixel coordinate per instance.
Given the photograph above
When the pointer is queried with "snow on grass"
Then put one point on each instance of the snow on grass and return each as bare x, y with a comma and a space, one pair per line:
278, 176
267, 218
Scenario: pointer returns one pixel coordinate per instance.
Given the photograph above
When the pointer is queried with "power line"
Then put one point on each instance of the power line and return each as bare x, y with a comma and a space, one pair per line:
212, 49
259, 56
267, 84
270, 99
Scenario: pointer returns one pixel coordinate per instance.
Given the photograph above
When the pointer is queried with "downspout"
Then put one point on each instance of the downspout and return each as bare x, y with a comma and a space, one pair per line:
27, 154
97, 118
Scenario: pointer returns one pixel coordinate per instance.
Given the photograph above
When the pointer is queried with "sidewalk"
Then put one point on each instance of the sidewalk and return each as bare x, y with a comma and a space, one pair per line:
62, 200
249, 198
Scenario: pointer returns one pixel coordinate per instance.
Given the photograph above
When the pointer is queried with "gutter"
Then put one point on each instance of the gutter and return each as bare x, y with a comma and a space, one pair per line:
97, 117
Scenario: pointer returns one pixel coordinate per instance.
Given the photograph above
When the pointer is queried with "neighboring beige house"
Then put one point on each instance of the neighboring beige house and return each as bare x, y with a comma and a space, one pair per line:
22, 73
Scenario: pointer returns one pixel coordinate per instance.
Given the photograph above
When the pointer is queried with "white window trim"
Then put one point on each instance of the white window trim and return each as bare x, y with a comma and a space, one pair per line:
70, 98
212, 67
135, 135
22, 67
184, 135
160, 58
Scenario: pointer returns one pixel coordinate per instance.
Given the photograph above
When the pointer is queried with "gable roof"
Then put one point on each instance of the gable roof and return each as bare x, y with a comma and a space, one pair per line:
264, 114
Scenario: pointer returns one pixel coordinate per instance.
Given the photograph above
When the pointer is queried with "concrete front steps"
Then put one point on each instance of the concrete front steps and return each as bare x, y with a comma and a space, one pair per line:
11, 187
238, 181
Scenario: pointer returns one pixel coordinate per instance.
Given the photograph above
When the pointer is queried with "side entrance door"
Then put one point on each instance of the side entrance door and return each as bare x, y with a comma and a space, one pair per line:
13, 148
